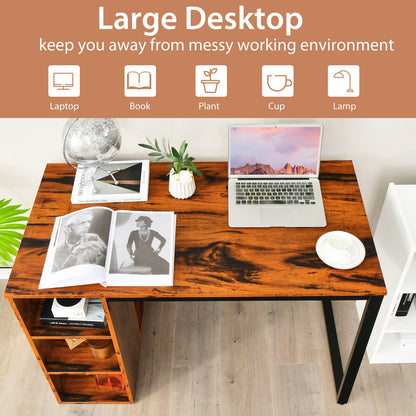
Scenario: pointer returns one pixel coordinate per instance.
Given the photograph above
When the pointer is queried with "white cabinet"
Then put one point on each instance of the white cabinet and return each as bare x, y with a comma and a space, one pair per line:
395, 241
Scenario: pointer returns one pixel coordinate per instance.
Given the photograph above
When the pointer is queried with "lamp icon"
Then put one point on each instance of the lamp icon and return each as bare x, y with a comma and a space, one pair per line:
340, 74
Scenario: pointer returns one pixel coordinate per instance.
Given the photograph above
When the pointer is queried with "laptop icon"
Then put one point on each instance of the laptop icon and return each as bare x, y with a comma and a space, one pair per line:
273, 176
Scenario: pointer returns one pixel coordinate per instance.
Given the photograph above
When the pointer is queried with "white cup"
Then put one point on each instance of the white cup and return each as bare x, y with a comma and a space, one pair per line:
338, 247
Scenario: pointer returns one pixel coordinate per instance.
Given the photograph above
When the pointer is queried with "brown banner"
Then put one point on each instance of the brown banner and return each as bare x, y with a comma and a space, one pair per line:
215, 59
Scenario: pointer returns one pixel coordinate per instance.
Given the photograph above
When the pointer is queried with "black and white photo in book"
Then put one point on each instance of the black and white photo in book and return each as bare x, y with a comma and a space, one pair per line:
142, 247
82, 239
113, 248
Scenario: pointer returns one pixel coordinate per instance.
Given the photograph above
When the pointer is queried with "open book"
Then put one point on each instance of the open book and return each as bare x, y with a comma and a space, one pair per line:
113, 248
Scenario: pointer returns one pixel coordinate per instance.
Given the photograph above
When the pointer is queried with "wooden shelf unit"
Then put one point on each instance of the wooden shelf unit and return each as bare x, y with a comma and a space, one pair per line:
72, 374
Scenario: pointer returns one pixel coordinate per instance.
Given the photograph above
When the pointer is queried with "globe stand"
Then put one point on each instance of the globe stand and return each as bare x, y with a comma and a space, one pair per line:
92, 145
111, 173
108, 172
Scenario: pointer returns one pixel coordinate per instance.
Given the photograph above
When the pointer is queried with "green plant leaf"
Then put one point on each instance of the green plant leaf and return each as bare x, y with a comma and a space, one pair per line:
6, 255
12, 234
10, 239
175, 153
146, 146
13, 227
195, 170
155, 154
4, 202
5, 258
172, 166
11, 210
8, 248
11, 218
183, 147
165, 149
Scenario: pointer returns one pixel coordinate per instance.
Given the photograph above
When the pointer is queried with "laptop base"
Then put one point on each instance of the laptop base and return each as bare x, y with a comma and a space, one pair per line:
262, 216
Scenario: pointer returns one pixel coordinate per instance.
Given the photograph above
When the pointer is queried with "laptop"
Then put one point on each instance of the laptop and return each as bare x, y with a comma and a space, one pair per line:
273, 176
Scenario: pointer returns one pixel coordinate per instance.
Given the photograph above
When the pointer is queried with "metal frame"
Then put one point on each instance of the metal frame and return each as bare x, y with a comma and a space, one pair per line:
345, 381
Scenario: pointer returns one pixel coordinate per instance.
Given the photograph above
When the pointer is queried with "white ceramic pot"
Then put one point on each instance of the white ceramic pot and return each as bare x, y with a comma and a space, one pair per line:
182, 184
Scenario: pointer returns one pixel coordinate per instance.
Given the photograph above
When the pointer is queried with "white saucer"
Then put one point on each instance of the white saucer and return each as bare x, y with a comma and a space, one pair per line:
348, 253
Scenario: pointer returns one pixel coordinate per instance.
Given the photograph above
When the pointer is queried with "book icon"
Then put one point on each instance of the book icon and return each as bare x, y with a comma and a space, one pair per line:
140, 81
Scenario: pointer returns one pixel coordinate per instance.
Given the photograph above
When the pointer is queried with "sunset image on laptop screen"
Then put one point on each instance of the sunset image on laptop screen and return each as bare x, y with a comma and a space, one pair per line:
274, 150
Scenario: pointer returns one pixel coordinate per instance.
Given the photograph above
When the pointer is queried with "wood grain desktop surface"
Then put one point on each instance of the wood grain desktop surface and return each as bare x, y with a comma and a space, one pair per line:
213, 261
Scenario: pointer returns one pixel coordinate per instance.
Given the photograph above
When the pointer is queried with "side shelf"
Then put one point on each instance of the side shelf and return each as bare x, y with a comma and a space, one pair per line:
77, 375
395, 241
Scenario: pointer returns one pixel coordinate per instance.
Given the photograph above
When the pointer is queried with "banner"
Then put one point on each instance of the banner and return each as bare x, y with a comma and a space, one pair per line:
208, 59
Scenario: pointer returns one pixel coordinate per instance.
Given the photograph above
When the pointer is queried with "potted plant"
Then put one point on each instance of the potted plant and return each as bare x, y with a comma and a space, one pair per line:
181, 179
210, 85
10, 220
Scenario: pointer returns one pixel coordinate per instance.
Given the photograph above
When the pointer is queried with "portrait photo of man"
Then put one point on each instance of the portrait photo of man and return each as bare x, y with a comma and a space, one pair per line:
78, 244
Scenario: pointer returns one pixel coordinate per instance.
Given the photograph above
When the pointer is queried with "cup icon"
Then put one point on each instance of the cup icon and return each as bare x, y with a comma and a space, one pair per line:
278, 82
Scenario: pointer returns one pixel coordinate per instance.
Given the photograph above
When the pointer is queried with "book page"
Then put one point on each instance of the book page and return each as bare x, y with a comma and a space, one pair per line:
142, 249
133, 80
145, 80
78, 248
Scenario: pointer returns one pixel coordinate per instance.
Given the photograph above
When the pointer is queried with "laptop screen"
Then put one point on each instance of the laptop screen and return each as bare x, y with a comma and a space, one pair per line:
274, 151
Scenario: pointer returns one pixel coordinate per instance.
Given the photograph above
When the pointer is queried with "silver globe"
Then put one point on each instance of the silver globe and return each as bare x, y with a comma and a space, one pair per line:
90, 142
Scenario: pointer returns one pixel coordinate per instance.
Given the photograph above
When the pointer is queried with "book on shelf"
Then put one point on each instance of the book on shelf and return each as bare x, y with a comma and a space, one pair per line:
113, 248
402, 308
120, 181
74, 342
94, 318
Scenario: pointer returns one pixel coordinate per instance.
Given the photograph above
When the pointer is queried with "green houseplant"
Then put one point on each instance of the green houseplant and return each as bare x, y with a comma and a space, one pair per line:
181, 180
11, 219
180, 159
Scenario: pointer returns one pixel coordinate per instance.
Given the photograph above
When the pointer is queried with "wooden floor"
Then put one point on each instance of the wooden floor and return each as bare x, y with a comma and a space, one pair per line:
221, 358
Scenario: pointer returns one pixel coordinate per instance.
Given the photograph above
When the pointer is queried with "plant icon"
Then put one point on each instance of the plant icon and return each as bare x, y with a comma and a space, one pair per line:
210, 85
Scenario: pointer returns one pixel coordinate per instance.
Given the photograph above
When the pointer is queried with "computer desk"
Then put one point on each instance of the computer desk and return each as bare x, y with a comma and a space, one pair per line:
212, 262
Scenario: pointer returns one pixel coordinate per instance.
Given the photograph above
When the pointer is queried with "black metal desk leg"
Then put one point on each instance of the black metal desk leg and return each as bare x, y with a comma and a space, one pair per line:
331, 332
358, 349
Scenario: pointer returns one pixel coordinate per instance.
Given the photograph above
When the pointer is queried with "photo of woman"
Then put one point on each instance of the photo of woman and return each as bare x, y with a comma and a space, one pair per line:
139, 246
142, 244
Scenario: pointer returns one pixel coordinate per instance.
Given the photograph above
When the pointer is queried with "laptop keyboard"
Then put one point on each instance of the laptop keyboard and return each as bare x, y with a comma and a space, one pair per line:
278, 193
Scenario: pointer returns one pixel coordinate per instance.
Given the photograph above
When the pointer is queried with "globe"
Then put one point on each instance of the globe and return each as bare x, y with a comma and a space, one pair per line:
91, 142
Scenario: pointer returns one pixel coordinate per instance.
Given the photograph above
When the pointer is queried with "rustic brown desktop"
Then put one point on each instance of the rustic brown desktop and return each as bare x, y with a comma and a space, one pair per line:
212, 262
